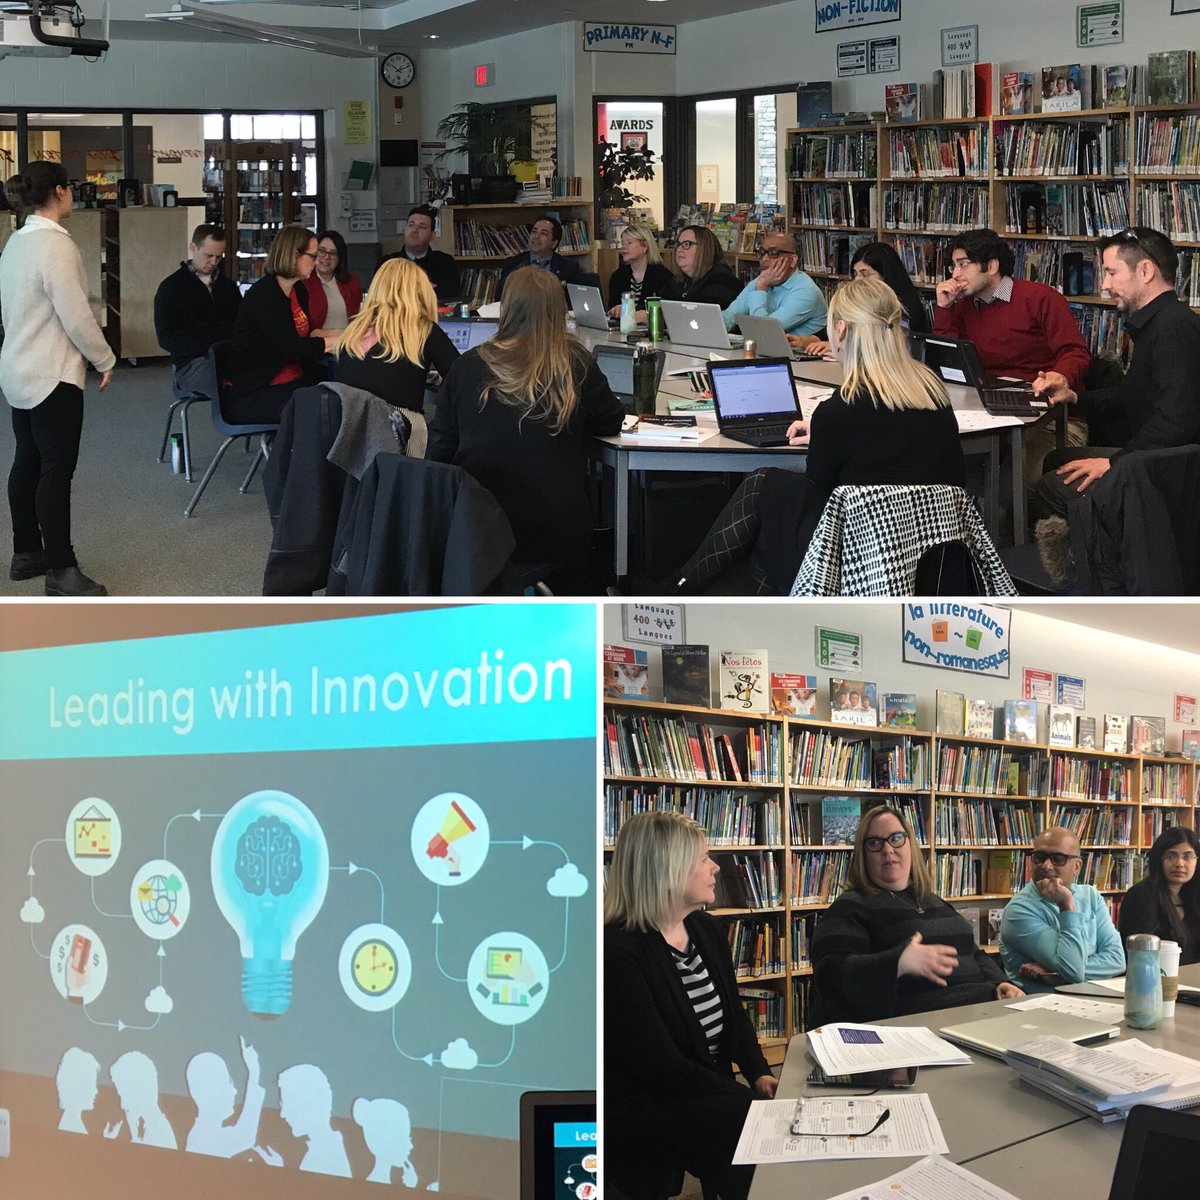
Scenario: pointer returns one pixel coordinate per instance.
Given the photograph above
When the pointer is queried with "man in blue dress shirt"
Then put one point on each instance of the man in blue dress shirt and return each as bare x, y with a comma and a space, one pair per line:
781, 290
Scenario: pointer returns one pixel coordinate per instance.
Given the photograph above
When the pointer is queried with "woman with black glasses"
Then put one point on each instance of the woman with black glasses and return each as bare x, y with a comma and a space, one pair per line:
1167, 902
888, 946
701, 275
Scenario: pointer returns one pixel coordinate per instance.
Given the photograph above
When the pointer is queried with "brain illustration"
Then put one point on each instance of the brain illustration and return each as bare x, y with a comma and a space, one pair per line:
268, 857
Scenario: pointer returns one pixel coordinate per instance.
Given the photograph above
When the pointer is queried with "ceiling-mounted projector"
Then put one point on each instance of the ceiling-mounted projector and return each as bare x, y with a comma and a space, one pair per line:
43, 30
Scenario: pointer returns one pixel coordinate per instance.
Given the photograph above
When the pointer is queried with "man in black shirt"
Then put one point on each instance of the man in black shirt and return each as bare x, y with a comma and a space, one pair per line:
1159, 397
544, 238
439, 266
195, 306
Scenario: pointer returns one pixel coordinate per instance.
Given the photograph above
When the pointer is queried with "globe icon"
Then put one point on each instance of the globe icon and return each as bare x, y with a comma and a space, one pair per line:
161, 903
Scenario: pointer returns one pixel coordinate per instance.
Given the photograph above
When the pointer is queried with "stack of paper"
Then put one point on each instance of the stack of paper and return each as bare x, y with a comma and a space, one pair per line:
930, 1179
848, 1049
1105, 1082
1110, 988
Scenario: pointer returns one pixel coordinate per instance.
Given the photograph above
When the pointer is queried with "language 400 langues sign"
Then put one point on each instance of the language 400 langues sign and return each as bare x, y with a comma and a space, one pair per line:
958, 637
845, 14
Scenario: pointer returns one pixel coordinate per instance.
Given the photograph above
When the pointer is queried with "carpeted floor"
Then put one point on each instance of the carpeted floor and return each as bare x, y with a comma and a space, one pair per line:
128, 524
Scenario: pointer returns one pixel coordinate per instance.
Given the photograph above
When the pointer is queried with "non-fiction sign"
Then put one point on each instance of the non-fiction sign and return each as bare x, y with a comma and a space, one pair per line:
619, 38
845, 14
957, 637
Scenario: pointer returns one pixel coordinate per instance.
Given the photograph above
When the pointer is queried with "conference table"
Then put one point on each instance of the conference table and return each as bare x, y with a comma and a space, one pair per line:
1010, 1134
982, 435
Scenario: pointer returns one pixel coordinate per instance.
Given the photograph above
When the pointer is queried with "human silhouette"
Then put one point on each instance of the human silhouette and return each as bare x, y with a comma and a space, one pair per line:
215, 1095
77, 1082
387, 1131
136, 1079
306, 1104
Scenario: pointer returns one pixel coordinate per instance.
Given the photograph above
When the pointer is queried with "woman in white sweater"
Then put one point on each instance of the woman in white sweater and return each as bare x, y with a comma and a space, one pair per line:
50, 335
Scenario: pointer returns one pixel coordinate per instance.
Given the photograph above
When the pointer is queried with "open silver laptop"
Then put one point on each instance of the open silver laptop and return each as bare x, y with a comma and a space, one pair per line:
691, 324
771, 338
588, 306
994, 1035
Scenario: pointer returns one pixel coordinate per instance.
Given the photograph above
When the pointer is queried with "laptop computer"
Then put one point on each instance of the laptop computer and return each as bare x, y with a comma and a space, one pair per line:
558, 1142
771, 338
616, 362
994, 1034
588, 307
956, 360
754, 399
468, 332
1158, 1157
691, 324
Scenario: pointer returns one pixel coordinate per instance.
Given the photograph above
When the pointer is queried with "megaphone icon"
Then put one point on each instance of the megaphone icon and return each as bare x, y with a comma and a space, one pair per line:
455, 824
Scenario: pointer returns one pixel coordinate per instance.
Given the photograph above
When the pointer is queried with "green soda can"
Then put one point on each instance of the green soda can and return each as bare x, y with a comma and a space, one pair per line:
654, 319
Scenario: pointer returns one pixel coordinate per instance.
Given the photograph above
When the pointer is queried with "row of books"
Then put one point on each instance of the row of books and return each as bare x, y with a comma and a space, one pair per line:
1156, 821
566, 187
935, 207
828, 253
833, 820
1187, 277
801, 939
957, 873
849, 155
1103, 329
479, 285
1099, 826
475, 239
938, 153
838, 204
750, 881
259, 180
1072, 268
826, 759
1093, 209
1063, 148
1168, 144
987, 770
1163, 782
966, 822
738, 227
673, 748
756, 946
1091, 779
818, 876
764, 1007
260, 210
729, 817
1111, 870
1173, 208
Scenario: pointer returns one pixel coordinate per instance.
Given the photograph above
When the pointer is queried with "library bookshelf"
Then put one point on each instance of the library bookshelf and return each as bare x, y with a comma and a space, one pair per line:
975, 805
1053, 184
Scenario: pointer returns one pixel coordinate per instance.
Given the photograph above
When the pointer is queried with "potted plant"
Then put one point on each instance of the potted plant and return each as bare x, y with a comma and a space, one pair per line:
614, 167
490, 138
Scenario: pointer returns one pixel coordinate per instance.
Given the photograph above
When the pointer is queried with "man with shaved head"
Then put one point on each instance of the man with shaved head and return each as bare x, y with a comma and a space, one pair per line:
1054, 929
781, 290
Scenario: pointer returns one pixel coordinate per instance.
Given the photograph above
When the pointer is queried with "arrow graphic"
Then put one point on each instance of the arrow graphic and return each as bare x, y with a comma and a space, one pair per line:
427, 1059
353, 869
196, 816
127, 916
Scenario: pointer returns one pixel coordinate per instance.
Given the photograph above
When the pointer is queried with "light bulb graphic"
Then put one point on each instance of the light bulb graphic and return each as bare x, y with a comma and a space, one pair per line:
270, 870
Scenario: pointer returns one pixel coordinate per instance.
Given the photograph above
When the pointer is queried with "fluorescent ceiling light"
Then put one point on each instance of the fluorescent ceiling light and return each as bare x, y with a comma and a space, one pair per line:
211, 20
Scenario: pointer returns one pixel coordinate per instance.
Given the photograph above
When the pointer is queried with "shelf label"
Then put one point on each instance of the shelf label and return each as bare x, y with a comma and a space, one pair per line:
630, 39
852, 58
838, 650
845, 14
658, 624
1100, 24
1069, 690
1185, 710
960, 46
957, 637
1037, 685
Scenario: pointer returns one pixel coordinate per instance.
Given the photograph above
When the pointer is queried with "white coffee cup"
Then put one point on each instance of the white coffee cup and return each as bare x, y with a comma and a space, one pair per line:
1168, 962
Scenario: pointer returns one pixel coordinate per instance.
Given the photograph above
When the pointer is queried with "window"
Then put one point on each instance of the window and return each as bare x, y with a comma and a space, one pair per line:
90, 146
8, 144
716, 151
168, 151
630, 125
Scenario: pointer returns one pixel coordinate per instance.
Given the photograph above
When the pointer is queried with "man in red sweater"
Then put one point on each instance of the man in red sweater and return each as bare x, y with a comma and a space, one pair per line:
1018, 327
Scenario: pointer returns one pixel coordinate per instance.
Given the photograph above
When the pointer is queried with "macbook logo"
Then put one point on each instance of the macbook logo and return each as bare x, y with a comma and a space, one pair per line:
694, 324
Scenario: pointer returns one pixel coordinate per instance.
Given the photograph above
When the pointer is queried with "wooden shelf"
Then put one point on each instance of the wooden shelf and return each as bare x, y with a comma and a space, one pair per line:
574, 202
734, 783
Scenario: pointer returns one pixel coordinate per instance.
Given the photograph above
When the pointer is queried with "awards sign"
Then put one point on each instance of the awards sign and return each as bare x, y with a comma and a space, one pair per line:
958, 637
845, 14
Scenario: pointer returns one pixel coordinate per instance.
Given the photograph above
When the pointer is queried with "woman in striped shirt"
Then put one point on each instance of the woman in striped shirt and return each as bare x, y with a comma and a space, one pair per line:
674, 1026
888, 945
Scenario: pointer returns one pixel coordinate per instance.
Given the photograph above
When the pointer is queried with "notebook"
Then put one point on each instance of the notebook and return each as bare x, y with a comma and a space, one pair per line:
772, 338
993, 1034
616, 363
755, 399
956, 360
691, 324
588, 306
468, 332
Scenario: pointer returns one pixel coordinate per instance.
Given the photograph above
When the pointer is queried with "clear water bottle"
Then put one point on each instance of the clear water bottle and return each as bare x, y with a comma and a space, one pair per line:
628, 312
1143, 982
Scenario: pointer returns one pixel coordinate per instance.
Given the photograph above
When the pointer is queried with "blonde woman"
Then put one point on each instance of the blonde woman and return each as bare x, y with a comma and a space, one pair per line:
641, 271
889, 422
275, 348
517, 413
388, 348
888, 945
674, 1025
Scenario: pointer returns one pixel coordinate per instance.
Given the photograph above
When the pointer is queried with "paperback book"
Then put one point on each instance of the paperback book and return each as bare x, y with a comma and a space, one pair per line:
1148, 735
813, 101
1116, 87
1191, 744
794, 695
839, 820
1016, 95
852, 702
685, 675
902, 101
1021, 721
994, 917
950, 709
626, 673
1085, 733
1167, 77
981, 719
744, 680
1061, 90
1116, 729
899, 709
1062, 725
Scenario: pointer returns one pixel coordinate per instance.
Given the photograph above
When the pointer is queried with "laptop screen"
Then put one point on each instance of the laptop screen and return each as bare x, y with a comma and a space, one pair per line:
753, 390
467, 334
1158, 1155
617, 368
559, 1146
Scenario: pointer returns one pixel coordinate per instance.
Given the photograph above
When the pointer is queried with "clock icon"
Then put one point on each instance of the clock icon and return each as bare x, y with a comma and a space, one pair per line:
374, 967
398, 70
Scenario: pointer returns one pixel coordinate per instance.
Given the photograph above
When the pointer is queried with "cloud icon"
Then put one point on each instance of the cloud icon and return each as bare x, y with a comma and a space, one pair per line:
158, 1001
32, 913
459, 1056
567, 881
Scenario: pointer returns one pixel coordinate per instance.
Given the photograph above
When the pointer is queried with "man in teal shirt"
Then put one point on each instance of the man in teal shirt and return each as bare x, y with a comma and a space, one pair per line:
781, 290
1054, 929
